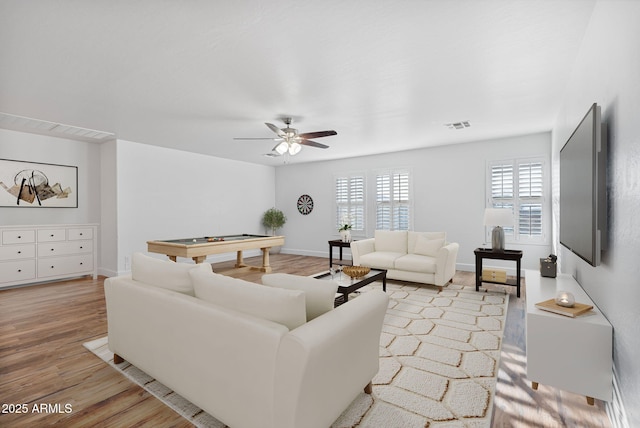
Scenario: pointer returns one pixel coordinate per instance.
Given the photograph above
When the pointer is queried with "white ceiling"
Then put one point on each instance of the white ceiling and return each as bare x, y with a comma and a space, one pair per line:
386, 75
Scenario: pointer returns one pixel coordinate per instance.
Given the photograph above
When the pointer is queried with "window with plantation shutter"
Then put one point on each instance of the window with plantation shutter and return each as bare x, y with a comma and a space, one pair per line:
519, 184
393, 200
350, 202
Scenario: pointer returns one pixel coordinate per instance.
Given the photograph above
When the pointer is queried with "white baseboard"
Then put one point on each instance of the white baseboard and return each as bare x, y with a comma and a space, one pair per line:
109, 272
312, 253
615, 408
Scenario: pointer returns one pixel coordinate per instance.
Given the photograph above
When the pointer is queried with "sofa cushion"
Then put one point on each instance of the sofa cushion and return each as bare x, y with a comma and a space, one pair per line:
416, 263
164, 273
391, 241
319, 295
380, 259
286, 307
427, 247
412, 238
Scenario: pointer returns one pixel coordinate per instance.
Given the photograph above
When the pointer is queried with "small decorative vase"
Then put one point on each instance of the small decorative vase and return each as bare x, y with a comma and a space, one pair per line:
345, 235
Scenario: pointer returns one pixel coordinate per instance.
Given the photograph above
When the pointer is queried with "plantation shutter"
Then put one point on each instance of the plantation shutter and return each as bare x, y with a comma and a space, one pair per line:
519, 185
530, 188
393, 204
350, 201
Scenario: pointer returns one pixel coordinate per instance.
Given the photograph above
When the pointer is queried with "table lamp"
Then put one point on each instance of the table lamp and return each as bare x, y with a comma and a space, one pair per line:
498, 217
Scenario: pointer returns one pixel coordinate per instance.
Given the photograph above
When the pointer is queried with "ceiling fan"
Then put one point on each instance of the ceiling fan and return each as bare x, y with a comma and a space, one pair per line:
290, 141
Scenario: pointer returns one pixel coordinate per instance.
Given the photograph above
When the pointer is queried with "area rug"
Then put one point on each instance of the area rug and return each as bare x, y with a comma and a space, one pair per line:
439, 359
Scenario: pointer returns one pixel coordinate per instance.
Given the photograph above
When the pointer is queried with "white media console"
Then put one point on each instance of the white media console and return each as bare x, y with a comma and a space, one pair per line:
573, 354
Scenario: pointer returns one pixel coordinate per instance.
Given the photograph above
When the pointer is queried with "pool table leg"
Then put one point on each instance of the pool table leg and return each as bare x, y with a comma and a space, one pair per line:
239, 260
265, 260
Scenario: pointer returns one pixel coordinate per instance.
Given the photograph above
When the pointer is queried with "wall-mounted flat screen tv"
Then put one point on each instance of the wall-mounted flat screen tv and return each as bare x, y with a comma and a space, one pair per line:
583, 198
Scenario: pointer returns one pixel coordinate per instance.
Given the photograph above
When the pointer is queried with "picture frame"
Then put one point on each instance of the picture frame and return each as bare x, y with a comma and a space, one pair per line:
25, 184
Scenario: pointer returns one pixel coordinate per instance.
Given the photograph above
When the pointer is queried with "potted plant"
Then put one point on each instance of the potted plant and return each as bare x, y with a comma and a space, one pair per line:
273, 219
345, 229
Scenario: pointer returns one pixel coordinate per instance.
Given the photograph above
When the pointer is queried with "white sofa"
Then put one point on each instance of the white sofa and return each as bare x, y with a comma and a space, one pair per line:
248, 354
424, 257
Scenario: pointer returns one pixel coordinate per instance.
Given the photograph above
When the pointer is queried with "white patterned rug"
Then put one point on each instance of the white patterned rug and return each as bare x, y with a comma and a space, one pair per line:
439, 359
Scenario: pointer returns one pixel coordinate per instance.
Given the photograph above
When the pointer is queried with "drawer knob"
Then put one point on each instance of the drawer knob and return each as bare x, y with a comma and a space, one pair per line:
81, 247
19, 237
19, 252
52, 267
81, 263
80, 233
19, 270
53, 249
52, 235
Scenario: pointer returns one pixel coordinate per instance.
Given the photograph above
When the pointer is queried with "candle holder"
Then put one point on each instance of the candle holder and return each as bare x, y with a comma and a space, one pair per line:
566, 299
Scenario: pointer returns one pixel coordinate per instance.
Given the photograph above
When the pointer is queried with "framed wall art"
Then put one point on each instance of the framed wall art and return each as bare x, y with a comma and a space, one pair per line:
38, 185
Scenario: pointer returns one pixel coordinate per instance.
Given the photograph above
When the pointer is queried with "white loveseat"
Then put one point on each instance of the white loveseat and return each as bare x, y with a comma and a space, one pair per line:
424, 257
248, 354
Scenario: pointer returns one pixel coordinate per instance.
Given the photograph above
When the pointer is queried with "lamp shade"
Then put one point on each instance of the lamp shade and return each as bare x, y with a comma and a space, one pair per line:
498, 217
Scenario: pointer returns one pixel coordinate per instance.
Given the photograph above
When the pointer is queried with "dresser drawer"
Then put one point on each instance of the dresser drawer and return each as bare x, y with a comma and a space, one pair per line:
18, 236
55, 266
17, 252
18, 270
79, 234
52, 235
64, 248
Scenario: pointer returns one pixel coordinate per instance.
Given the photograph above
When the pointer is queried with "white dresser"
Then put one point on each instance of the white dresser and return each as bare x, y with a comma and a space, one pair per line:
574, 354
31, 254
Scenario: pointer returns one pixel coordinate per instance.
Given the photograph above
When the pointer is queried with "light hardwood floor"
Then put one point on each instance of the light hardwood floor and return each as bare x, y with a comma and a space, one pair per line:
42, 361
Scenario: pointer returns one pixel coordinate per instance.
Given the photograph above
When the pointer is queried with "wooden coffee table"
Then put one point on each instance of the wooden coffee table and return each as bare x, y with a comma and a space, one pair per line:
347, 285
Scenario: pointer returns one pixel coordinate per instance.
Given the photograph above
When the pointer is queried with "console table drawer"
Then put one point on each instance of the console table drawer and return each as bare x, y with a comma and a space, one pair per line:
18, 236
51, 235
65, 248
18, 270
56, 266
17, 252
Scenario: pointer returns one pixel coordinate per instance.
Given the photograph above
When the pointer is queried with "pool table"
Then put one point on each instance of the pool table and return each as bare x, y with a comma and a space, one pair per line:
199, 248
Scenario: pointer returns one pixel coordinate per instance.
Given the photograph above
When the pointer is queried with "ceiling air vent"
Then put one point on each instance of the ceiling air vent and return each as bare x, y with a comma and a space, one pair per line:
37, 126
458, 125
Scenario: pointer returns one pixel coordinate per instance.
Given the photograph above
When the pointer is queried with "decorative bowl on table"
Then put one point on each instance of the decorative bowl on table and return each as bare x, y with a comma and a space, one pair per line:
356, 271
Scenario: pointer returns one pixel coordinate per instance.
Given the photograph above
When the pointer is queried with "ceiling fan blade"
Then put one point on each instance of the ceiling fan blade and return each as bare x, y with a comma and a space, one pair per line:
317, 134
275, 129
312, 144
259, 138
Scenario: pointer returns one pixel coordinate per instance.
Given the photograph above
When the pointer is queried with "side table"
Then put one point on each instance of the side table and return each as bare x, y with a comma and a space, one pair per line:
337, 243
488, 253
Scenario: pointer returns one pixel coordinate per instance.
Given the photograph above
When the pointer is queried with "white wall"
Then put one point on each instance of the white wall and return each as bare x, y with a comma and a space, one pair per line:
164, 193
109, 214
449, 194
23, 146
606, 72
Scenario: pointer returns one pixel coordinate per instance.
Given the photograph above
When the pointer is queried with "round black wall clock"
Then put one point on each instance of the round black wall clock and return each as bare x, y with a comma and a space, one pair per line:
305, 204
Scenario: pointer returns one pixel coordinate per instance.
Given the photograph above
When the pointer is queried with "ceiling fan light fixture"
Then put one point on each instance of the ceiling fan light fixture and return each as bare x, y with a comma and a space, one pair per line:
282, 148
294, 148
